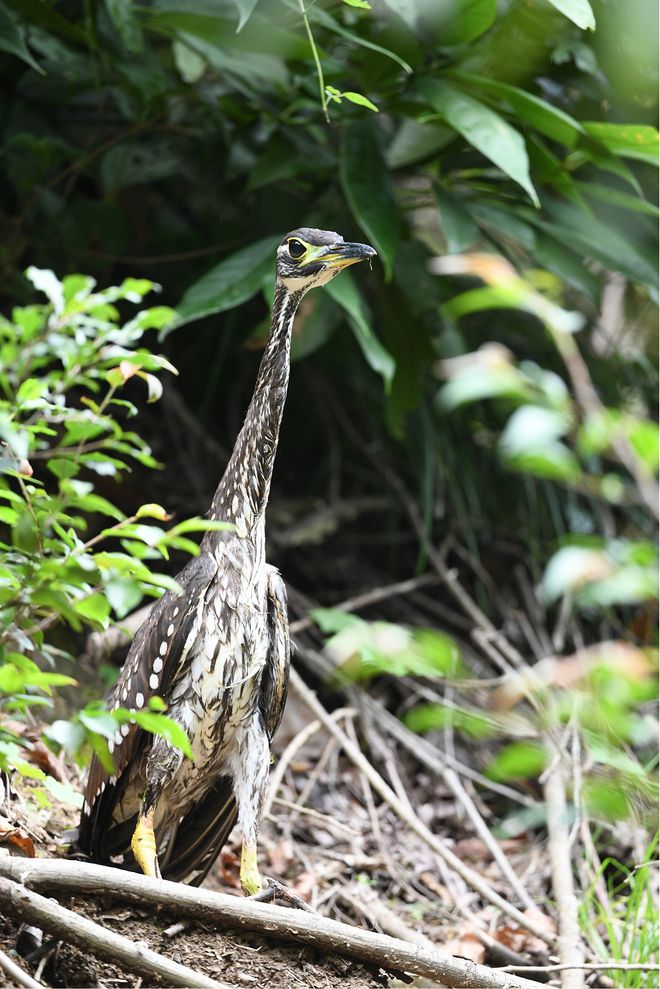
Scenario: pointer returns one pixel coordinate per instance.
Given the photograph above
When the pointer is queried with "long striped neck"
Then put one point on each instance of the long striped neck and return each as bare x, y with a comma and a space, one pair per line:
242, 495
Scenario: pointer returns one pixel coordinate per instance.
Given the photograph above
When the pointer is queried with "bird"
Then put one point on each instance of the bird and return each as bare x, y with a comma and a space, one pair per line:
217, 650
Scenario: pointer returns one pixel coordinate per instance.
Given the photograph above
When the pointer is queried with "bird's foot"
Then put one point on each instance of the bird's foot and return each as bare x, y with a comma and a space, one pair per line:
143, 846
249, 875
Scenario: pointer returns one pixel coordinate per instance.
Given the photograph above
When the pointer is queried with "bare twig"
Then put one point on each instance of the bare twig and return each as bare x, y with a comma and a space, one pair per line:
372, 597
82, 879
296, 743
468, 875
570, 949
16, 974
74, 929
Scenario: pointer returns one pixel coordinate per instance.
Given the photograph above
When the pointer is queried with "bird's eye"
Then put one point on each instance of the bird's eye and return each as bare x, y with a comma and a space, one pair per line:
296, 249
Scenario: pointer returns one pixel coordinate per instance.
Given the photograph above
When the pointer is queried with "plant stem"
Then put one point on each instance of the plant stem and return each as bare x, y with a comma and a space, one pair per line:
317, 61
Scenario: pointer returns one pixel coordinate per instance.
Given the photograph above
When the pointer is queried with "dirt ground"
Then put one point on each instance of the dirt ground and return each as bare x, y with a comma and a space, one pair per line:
245, 960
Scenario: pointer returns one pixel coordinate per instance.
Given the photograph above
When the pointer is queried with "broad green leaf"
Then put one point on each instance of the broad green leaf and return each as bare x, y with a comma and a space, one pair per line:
230, 283
344, 291
366, 184
458, 22
545, 118
123, 15
628, 140
484, 129
578, 11
414, 141
12, 38
615, 197
458, 228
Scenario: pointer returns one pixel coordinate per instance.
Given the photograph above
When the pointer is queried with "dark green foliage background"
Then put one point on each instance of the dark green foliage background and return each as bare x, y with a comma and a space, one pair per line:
160, 139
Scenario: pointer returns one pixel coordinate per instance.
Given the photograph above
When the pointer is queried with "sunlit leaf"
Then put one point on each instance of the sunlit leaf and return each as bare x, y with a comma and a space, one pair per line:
519, 760
629, 140
578, 11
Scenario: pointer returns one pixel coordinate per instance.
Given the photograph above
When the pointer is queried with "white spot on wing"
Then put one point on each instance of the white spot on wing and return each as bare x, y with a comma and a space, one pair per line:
158, 664
163, 648
153, 681
139, 699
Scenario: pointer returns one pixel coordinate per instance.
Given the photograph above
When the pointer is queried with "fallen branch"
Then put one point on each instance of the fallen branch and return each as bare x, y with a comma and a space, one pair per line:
469, 875
16, 974
81, 878
74, 929
570, 951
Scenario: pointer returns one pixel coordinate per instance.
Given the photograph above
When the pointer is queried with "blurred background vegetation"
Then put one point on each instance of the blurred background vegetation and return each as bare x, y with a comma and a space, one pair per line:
489, 389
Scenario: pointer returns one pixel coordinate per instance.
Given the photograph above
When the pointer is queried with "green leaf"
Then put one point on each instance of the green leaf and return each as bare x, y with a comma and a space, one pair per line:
95, 608
344, 291
545, 118
628, 140
461, 21
123, 16
363, 4
578, 11
359, 98
458, 228
152, 511
12, 38
432, 717
414, 141
484, 129
317, 15
366, 184
190, 64
124, 595
160, 724
64, 792
519, 760
229, 283
532, 426
245, 11
330, 620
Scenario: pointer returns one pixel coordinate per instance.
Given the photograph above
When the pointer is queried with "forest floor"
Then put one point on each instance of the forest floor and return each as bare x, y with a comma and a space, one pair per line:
325, 837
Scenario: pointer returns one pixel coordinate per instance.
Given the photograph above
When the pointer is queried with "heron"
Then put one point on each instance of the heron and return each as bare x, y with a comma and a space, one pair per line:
216, 651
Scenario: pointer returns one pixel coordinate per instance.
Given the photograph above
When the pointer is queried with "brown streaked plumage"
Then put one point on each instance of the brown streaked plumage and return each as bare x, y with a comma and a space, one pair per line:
218, 651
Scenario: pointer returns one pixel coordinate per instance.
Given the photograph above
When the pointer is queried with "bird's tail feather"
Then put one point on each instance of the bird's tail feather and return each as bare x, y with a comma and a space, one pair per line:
198, 839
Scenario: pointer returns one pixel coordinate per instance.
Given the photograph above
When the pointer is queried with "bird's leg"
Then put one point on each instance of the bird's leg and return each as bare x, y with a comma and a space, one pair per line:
162, 762
143, 845
251, 766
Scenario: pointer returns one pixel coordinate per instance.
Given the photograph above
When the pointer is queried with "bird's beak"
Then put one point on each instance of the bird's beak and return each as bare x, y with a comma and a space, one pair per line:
341, 255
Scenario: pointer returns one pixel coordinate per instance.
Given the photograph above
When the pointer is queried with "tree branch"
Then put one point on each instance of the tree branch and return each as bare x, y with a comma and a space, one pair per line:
74, 929
81, 878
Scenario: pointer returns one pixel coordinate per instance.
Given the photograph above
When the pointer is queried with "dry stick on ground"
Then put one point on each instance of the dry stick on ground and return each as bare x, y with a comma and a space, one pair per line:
16, 974
296, 743
371, 597
82, 879
74, 929
469, 876
569, 940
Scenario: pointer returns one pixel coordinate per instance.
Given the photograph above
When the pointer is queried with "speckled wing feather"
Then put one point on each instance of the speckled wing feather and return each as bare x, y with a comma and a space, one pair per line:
275, 679
204, 830
154, 660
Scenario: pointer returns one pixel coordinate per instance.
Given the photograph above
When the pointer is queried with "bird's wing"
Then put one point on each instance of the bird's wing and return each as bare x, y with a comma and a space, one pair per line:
275, 678
200, 836
154, 660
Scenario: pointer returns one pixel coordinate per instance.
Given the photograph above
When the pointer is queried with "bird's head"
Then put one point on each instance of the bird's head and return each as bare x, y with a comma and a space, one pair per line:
307, 258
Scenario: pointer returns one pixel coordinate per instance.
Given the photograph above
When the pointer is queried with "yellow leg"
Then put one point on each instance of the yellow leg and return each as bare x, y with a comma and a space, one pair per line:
250, 878
143, 846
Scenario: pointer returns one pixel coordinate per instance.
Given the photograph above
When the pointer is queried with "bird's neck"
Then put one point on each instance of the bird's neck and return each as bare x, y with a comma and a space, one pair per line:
242, 494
